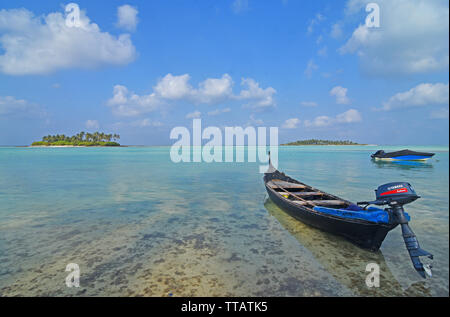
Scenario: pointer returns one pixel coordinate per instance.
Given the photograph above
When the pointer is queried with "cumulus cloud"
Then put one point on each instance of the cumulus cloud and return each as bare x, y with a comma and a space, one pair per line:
10, 106
210, 91
412, 38
39, 45
177, 88
291, 123
421, 95
193, 115
174, 87
341, 95
126, 103
92, 124
259, 98
349, 116
127, 17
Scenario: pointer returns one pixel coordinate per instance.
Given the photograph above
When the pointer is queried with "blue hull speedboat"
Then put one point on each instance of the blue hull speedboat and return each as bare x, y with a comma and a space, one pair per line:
403, 155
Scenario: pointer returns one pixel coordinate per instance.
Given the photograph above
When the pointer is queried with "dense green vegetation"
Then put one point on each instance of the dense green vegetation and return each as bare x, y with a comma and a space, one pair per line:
80, 139
322, 142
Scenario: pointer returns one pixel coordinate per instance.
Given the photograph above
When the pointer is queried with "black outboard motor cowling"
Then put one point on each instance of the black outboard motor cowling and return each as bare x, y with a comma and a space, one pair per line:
401, 193
396, 195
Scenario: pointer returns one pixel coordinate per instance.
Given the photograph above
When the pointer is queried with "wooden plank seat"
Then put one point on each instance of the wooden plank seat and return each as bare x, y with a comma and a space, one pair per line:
328, 202
299, 202
322, 203
276, 183
304, 194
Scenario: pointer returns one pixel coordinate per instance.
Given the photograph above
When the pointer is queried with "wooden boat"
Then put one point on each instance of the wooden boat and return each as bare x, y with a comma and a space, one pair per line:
303, 202
366, 227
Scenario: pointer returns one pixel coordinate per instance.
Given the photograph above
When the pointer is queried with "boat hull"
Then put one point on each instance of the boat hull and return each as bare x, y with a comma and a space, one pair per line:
404, 158
365, 234
403, 155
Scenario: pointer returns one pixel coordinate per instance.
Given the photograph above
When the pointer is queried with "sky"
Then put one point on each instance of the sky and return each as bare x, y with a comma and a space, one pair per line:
314, 69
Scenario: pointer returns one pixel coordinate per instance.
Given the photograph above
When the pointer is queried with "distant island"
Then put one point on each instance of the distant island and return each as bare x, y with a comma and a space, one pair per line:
322, 142
80, 139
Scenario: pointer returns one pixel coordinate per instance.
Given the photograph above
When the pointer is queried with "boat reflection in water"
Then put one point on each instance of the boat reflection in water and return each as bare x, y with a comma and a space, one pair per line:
405, 165
344, 260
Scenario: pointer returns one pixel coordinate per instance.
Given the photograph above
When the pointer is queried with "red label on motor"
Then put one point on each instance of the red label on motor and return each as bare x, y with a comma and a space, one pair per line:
395, 191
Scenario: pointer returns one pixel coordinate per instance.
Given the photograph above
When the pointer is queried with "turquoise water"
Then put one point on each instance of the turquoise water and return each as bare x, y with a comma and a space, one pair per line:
138, 224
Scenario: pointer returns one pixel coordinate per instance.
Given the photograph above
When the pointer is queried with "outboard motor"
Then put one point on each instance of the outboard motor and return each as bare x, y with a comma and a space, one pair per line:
395, 195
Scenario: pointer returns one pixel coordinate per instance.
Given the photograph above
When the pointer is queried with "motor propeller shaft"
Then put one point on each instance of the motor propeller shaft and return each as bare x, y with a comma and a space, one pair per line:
412, 245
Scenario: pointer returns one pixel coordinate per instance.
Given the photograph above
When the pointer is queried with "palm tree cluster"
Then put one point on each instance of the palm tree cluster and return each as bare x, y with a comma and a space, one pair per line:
322, 142
82, 137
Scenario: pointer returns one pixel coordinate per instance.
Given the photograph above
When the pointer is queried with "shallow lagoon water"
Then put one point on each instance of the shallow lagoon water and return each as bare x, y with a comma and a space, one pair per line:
139, 225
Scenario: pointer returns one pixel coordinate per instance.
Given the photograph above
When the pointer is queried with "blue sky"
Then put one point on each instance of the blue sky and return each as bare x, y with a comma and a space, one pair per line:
311, 68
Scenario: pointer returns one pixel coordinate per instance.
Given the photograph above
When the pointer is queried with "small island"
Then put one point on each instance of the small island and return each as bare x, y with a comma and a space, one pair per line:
81, 139
322, 142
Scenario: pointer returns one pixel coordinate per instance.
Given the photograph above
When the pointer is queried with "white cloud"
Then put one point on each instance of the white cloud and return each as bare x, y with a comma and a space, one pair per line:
174, 87
259, 98
177, 88
126, 103
310, 68
336, 31
214, 90
239, 6
145, 123
349, 116
254, 121
10, 106
315, 21
308, 103
421, 95
92, 124
210, 91
193, 115
320, 121
412, 38
439, 114
218, 111
40, 45
291, 123
127, 17
341, 95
